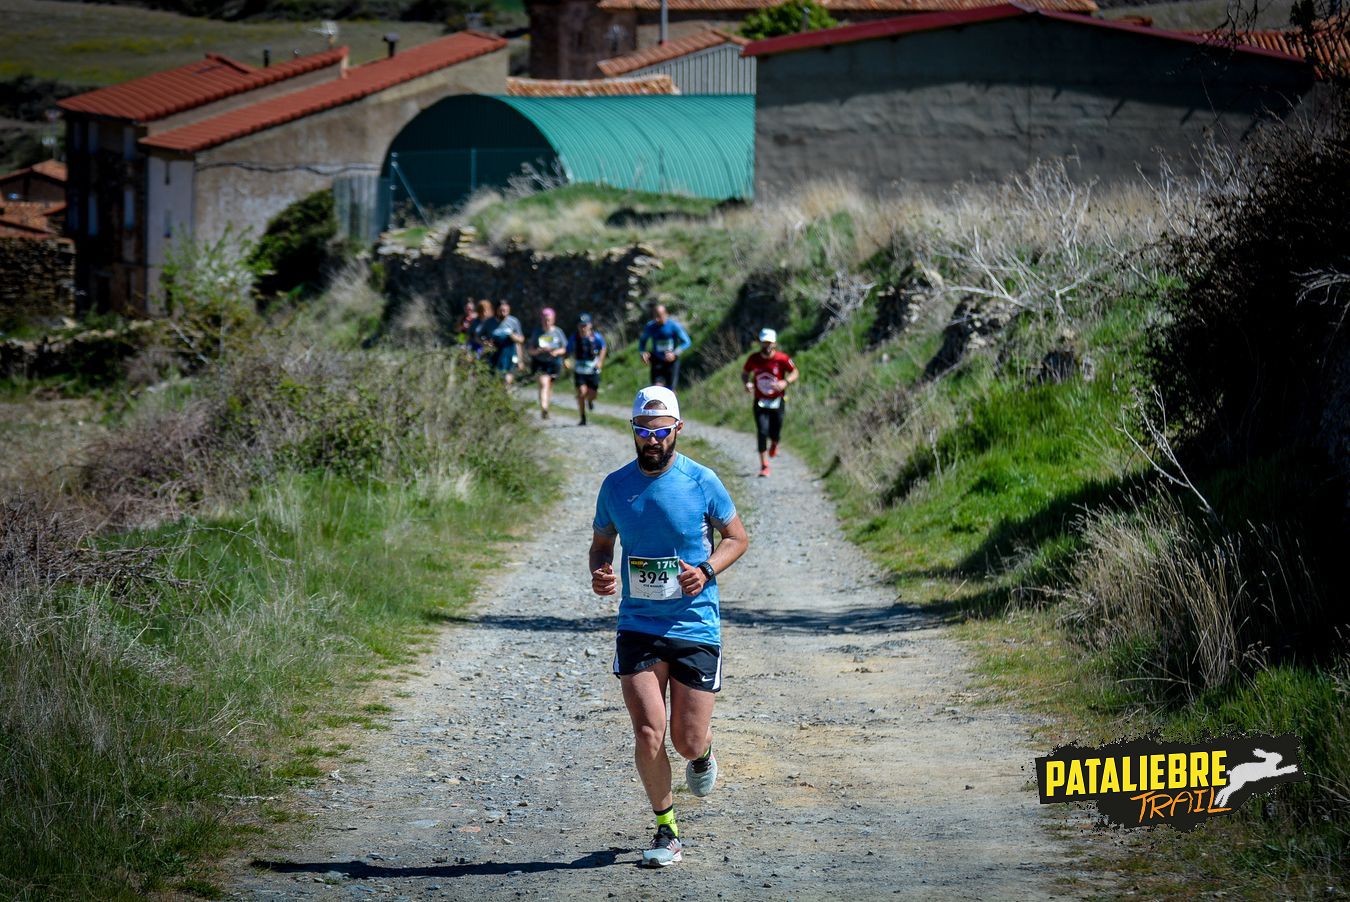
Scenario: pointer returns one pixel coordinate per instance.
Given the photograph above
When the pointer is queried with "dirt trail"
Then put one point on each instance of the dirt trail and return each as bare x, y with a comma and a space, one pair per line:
854, 764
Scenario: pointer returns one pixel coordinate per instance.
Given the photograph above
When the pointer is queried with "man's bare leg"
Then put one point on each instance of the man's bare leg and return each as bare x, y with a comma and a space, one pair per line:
645, 696
690, 720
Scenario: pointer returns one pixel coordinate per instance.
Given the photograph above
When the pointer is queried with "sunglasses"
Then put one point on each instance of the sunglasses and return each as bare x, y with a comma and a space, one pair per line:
660, 434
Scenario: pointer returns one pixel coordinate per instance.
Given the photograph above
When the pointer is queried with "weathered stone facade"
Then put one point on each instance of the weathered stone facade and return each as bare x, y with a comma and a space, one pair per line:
37, 280
610, 286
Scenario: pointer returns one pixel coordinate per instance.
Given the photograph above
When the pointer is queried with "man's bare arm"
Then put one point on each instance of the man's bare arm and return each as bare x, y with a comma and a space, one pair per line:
735, 542
603, 579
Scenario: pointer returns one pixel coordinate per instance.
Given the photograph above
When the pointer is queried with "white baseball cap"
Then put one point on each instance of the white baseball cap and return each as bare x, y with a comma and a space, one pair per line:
768, 335
645, 404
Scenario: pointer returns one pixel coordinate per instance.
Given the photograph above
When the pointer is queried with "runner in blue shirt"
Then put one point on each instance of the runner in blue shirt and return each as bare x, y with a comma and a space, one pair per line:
661, 343
664, 507
588, 350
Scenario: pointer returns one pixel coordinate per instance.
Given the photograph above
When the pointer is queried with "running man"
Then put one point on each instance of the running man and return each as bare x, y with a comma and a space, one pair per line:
767, 375
661, 343
503, 334
588, 350
548, 344
664, 508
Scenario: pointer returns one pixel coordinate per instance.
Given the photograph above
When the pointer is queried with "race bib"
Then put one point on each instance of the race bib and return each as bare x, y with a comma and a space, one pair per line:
770, 403
654, 578
767, 383
664, 345
586, 367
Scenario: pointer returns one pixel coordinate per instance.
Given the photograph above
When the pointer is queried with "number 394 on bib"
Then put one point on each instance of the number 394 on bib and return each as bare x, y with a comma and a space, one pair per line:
655, 578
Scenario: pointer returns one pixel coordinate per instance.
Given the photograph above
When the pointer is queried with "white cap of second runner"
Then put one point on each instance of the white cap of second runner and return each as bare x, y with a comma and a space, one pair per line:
670, 405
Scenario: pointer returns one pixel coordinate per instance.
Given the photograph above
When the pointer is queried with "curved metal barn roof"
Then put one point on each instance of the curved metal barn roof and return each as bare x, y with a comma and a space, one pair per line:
700, 145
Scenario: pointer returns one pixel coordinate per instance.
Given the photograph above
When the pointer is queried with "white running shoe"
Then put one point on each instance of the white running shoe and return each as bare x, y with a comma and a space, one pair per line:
700, 784
665, 849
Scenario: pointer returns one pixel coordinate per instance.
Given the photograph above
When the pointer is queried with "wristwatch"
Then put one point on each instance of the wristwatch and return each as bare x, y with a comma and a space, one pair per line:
707, 569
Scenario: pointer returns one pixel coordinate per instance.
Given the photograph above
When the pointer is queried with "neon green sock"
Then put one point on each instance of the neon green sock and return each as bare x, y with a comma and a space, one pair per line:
667, 818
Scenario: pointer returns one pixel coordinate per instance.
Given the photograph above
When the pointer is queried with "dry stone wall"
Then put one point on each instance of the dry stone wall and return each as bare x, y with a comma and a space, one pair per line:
611, 286
37, 280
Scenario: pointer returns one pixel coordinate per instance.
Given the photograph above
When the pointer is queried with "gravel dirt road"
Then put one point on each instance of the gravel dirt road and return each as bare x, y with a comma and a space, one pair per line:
855, 763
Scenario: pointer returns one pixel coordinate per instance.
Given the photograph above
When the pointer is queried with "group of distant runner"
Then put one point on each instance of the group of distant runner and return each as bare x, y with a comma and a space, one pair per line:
495, 336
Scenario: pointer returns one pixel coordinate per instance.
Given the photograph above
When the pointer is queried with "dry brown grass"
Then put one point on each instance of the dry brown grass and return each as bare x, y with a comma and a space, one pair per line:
1193, 606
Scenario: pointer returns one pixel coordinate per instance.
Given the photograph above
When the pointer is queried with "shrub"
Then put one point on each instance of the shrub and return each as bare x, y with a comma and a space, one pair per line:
206, 289
787, 18
298, 249
1248, 340
278, 408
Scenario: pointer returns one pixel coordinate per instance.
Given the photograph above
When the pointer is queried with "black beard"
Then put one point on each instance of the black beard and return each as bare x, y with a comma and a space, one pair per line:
661, 460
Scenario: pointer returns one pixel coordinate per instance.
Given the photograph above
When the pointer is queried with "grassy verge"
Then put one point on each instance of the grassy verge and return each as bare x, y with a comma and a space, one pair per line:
291, 539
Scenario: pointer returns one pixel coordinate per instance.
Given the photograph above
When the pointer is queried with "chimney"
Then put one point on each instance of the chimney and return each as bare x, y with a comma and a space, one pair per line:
267, 57
392, 40
665, 21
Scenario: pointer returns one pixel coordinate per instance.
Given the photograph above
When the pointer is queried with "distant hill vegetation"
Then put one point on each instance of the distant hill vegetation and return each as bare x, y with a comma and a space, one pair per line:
304, 10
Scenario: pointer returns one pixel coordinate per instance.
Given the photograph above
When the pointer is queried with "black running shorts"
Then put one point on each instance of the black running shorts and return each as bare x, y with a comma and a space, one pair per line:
591, 380
548, 366
696, 666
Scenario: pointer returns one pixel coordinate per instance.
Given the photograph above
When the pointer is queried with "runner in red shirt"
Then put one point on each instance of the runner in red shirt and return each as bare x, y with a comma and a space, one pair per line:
767, 375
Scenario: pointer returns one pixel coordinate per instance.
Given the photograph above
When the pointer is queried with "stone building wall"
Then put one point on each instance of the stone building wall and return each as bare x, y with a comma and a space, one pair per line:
37, 280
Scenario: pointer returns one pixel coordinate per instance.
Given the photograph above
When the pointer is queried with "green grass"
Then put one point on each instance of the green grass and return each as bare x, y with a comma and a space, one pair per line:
99, 44
131, 718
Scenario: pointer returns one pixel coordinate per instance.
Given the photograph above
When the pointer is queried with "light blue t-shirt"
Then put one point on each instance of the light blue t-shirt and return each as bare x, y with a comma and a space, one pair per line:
660, 517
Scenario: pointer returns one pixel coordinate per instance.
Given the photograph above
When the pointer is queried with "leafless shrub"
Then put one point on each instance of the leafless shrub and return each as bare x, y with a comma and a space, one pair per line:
532, 179
42, 547
846, 295
154, 468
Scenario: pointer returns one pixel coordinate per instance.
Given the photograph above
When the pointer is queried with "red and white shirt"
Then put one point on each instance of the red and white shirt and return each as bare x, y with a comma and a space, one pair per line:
765, 373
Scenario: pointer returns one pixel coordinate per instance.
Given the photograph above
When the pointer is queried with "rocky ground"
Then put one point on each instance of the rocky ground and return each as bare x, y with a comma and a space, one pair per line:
855, 760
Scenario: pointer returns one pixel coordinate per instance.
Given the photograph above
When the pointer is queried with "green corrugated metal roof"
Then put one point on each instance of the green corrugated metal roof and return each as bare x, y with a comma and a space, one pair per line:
700, 145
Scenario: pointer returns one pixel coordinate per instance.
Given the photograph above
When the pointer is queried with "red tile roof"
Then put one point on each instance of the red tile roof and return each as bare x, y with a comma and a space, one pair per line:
867, 31
20, 218
1328, 50
596, 87
838, 6
357, 82
196, 84
660, 53
52, 169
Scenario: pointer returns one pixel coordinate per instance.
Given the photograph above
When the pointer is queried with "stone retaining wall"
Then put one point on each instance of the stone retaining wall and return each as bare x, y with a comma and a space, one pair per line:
37, 280
611, 286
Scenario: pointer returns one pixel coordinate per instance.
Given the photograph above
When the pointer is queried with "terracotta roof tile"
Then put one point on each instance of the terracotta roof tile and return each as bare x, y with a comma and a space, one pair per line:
839, 6
1328, 50
196, 84
358, 82
598, 87
660, 53
52, 169
30, 216
866, 31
